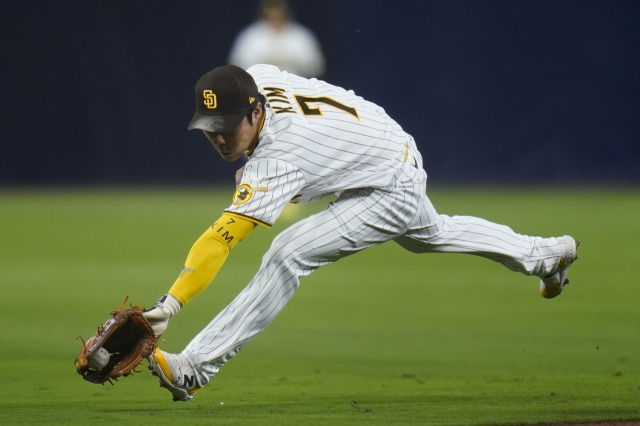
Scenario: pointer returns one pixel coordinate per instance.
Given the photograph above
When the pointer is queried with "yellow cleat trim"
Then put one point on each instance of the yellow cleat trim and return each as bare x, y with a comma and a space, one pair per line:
159, 358
550, 293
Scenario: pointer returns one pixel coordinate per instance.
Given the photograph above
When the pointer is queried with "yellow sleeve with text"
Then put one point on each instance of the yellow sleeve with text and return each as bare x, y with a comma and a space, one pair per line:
208, 254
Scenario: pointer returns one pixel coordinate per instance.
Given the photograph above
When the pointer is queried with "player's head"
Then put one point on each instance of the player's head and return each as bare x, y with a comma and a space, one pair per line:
228, 106
224, 95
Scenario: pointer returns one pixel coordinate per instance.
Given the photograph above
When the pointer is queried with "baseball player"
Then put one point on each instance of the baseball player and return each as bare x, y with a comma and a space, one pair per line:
306, 139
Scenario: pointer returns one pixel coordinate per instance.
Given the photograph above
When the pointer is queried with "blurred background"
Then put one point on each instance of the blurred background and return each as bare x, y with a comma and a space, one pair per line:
513, 92
103, 191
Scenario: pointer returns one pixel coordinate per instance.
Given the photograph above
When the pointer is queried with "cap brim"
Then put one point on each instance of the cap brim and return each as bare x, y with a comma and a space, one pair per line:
216, 123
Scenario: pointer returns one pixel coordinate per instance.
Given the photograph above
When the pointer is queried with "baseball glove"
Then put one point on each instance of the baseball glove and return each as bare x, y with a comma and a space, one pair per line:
118, 347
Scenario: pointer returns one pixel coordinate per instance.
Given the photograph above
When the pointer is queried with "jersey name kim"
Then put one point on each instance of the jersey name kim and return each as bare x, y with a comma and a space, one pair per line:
318, 139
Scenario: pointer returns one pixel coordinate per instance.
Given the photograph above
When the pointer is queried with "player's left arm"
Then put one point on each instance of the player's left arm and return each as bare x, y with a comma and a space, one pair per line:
208, 255
266, 187
205, 259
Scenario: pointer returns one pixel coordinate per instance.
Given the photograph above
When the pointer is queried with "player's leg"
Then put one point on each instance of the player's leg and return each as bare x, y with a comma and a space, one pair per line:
530, 255
299, 250
296, 252
357, 220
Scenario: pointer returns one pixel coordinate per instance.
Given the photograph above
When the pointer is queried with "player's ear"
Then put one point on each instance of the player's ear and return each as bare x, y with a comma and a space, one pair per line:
257, 111
253, 114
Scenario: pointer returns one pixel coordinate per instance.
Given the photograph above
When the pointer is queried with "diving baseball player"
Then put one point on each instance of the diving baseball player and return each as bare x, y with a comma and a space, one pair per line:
306, 139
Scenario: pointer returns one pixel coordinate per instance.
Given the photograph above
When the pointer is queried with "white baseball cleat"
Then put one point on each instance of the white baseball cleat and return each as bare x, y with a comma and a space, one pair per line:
552, 285
174, 373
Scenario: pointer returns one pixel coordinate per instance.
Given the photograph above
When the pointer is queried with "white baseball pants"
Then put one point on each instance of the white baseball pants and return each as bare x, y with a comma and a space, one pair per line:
358, 219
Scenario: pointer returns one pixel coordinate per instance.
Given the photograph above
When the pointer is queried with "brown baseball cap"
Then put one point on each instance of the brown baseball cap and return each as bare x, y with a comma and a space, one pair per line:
224, 95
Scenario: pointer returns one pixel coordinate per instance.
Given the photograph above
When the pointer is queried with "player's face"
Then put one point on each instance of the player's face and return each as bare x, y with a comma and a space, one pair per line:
232, 144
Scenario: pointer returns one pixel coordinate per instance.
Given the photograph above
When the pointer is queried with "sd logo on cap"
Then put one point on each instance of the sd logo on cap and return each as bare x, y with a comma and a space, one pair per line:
223, 97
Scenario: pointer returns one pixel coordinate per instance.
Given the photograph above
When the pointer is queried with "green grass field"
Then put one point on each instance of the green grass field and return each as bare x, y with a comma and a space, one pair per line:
383, 337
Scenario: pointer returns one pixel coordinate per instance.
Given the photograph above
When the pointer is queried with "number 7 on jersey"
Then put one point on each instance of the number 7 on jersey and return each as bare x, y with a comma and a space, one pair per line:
304, 101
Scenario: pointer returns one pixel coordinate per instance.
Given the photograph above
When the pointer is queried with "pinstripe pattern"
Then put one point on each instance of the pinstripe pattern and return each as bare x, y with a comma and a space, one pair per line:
282, 180
383, 197
308, 157
436, 233
358, 219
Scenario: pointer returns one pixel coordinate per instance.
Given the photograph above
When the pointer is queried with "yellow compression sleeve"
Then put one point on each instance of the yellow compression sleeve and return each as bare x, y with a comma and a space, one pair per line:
208, 254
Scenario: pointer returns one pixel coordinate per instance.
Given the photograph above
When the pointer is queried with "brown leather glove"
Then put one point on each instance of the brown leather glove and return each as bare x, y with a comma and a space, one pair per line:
118, 347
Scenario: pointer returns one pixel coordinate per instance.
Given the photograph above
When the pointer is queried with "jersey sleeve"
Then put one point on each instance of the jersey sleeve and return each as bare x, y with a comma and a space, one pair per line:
267, 186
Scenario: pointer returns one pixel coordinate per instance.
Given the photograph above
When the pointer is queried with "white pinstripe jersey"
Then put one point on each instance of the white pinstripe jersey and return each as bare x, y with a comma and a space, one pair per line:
317, 139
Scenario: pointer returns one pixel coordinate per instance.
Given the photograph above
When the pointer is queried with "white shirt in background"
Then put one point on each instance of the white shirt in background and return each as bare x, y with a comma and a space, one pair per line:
294, 49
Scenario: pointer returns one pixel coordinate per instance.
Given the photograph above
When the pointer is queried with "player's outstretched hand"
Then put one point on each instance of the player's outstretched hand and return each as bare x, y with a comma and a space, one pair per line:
118, 347
161, 313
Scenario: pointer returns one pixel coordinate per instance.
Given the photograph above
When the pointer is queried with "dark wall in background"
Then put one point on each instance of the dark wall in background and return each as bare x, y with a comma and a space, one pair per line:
493, 91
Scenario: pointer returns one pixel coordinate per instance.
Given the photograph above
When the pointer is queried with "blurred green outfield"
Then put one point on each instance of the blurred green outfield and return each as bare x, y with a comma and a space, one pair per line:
383, 337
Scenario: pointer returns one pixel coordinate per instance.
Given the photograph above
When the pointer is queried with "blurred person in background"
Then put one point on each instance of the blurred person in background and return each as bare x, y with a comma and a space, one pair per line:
277, 39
